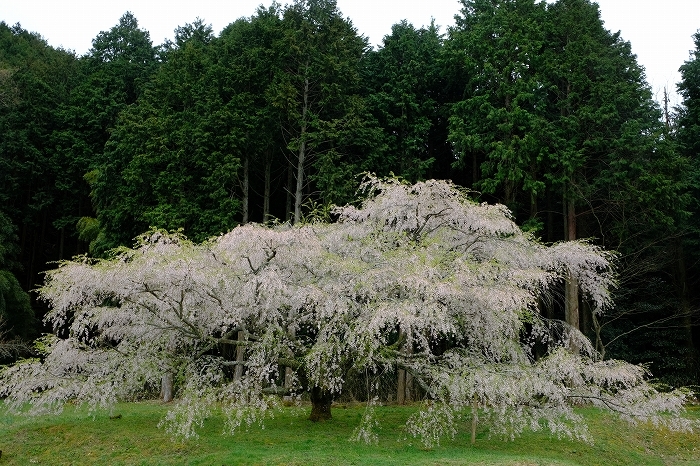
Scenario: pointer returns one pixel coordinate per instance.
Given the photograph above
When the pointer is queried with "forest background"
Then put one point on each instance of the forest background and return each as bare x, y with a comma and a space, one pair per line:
529, 104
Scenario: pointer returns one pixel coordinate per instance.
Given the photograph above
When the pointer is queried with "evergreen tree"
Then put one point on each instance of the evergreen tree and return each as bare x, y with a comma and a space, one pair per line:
556, 109
407, 99
249, 59
178, 148
687, 274
117, 67
604, 136
37, 82
318, 92
497, 126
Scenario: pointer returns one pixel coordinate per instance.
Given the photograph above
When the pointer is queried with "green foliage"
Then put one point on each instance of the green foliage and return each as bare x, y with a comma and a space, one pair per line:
178, 148
688, 134
556, 111
689, 113
16, 312
499, 124
320, 96
117, 68
602, 112
247, 63
37, 195
405, 96
8, 241
553, 102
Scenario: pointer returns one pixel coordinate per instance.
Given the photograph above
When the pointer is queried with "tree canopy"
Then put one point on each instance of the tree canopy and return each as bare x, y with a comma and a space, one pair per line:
418, 277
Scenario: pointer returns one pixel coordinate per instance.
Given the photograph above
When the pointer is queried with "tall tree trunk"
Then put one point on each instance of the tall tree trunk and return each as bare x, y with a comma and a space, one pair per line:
585, 317
509, 196
550, 217
571, 305
598, 328
246, 189
684, 311
299, 192
321, 401
409, 387
533, 206
290, 196
61, 243
268, 181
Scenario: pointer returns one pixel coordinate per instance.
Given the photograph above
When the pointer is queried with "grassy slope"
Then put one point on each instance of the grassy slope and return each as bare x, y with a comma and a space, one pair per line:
75, 438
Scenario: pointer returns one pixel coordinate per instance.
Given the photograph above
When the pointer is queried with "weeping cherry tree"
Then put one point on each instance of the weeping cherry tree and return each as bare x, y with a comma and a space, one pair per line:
417, 278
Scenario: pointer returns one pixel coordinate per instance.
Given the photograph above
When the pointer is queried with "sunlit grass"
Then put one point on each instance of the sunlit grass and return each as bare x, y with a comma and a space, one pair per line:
76, 438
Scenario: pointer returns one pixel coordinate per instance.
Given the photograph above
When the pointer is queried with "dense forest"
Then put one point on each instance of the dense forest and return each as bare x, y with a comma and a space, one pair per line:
533, 105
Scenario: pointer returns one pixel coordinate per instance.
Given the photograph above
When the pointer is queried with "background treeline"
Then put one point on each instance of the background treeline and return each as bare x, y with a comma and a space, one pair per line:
530, 104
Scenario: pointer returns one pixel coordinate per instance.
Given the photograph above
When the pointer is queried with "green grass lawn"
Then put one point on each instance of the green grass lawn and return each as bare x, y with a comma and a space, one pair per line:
76, 438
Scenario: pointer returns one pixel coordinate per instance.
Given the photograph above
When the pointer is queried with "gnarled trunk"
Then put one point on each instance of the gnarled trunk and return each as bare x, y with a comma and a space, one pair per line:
321, 401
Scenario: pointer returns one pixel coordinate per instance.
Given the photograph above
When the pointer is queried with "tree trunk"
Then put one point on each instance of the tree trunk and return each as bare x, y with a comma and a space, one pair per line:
290, 185
550, 217
571, 306
409, 387
246, 189
685, 312
299, 192
597, 327
401, 390
321, 401
571, 301
61, 243
266, 194
405, 380
240, 357
166, 387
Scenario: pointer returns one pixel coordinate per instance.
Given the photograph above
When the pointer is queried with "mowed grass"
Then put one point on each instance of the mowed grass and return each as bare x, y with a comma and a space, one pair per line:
77, 438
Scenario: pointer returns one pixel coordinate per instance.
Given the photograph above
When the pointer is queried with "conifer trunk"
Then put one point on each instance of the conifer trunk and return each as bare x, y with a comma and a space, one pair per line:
246, 189
684, 311
571, 305
299, 192
290, 185
266, 194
